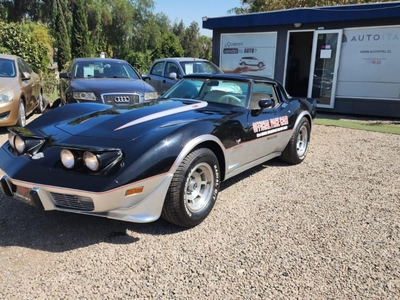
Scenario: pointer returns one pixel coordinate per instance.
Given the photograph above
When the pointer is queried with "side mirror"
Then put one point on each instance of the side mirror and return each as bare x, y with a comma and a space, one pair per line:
173, 75
26, 76
263, 104
64, 75
267, 103
145, 77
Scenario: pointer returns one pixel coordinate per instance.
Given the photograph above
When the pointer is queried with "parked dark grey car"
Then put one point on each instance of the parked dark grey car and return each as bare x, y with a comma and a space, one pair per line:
104, 80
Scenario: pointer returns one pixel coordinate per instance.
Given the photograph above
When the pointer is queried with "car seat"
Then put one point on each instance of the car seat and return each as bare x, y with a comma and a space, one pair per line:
173, 69
79, 72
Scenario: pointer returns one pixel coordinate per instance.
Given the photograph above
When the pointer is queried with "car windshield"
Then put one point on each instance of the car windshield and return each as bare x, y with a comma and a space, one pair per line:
103, 70
229, 92
7, 68
191, 67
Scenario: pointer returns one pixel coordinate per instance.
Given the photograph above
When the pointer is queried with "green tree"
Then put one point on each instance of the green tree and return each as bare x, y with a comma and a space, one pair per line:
80, 33
140, 60
190, 41
62, 44
17, 39
206, 47
170, 47
178, 28
119, 31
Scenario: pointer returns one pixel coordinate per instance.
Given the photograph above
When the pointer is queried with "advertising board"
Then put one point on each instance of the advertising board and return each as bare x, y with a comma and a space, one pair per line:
369, 63
248, 53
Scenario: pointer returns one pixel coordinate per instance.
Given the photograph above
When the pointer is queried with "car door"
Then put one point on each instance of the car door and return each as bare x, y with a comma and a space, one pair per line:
268, 127
30, 84
168, 82
156, 77
65, 82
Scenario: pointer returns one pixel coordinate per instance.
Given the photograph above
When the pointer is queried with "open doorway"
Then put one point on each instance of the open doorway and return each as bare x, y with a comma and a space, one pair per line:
298, 62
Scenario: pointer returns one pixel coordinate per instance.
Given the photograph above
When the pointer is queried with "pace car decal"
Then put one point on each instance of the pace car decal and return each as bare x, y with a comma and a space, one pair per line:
266, 127
164, 113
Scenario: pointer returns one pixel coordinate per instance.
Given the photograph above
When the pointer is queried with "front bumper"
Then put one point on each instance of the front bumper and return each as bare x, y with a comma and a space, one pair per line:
142, 207
9, 113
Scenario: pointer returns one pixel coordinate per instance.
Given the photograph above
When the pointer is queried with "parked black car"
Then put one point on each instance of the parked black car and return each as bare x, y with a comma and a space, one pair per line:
161, 158
104, 80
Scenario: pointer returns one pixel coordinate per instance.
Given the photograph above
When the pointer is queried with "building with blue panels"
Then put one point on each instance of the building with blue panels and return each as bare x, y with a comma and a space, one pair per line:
347, 57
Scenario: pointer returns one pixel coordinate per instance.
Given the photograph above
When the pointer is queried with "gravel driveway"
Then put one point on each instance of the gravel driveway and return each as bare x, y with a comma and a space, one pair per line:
325, 229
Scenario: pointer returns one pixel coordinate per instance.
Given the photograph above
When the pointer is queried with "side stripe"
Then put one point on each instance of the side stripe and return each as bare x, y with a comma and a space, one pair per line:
164, 113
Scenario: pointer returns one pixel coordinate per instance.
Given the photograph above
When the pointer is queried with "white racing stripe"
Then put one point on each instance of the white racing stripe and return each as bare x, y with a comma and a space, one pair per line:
164, 113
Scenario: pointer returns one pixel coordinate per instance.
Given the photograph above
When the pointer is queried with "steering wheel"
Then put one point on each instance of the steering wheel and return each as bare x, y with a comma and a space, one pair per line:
230, 99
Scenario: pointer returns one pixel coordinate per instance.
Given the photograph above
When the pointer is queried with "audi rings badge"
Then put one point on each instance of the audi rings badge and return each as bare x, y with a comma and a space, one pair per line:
122, 99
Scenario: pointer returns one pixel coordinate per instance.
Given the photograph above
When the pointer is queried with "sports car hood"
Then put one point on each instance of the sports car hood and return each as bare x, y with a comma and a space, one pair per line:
110, 85
130, 122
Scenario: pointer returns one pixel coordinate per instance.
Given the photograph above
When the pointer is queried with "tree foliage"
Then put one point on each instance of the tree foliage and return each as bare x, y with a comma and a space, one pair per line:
62, 44
80, 32
127, 29
169, 47
19, 39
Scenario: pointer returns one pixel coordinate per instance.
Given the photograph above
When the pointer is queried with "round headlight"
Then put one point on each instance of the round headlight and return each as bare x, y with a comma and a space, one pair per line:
19, 144
67, 158
11, 139
91, 161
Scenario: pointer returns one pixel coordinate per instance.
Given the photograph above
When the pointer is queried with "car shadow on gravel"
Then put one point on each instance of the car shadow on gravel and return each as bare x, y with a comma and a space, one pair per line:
22, 225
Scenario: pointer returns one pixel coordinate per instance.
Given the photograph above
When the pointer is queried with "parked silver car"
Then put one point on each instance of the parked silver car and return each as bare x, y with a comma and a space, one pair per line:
164, 73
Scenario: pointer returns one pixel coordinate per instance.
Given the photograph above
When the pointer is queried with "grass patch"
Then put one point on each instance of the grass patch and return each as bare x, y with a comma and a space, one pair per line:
376, 127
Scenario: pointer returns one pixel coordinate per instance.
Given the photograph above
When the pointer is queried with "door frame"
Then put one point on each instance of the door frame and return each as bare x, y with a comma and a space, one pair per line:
336, 66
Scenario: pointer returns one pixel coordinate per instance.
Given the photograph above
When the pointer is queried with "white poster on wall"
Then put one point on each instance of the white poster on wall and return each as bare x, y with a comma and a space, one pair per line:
369, 63
248, 53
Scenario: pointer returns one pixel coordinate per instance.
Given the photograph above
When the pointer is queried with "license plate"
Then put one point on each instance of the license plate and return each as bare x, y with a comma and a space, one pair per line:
23, 194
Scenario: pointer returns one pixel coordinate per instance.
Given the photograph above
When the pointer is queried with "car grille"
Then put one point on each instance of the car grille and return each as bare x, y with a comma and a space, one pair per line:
72, 201
121, 99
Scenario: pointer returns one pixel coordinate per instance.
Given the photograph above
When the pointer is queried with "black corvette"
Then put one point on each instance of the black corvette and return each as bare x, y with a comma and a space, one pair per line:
161, 158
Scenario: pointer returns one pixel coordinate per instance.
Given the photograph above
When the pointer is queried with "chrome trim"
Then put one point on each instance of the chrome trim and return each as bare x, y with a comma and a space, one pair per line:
252, 164
123, 98
143, 207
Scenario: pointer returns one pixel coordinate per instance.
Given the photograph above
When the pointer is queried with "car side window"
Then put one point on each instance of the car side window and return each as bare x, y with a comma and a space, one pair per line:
28, 68
23, 67
263, 91
157, 69
171, 68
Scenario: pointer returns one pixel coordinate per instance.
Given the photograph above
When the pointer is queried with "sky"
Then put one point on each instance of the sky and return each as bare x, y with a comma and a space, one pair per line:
195, 10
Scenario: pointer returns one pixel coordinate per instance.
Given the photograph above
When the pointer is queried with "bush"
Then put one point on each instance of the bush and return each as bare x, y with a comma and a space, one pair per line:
17, 40
140, 61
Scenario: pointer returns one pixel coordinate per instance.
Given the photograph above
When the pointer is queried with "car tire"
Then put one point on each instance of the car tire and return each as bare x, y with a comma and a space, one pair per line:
21, 119
260, 65
40, 108
296, 150
193, 190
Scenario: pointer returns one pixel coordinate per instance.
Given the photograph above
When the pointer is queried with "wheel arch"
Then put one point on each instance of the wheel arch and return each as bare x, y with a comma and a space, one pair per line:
204, 141
219, 153
300, 116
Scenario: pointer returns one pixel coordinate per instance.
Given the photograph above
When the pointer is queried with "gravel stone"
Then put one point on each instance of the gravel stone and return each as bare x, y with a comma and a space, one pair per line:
327, 228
